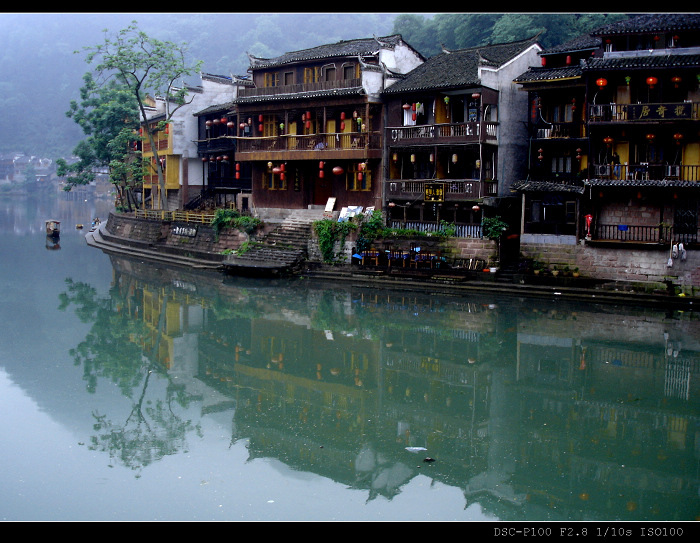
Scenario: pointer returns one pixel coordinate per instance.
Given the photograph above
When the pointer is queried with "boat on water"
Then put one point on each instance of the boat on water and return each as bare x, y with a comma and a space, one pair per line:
53, 228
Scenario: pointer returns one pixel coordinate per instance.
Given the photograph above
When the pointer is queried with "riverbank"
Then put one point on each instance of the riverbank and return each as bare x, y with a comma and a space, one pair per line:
442, 281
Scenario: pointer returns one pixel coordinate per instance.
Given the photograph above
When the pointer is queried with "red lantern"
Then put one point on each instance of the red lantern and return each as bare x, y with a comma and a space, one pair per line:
651, 81
260, 118
208, 124
342, 115
276, 170
308, 124
676, 80
238, 166
242, 126
406, 106
238, 175
223, 120
338, 170
342, 126
320, 174
282, 167
359, 176
678, 137
230, 124
601, 82
321, 165
216, 121
260, 127
544, 61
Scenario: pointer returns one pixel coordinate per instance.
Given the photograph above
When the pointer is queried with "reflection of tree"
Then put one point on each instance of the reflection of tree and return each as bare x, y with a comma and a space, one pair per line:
113, 350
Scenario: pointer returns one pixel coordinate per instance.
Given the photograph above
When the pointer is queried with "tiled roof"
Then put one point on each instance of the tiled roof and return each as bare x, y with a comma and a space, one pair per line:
646, 61
545, 186
583, 42
654, 22
549, 74
346, 48
458, 68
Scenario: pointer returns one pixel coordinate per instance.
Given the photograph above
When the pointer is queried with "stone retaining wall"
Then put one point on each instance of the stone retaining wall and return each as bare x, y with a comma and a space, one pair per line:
198, 239
627, 264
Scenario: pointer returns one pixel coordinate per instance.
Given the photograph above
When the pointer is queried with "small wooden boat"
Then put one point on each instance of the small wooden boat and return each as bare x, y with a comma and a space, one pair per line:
53, 228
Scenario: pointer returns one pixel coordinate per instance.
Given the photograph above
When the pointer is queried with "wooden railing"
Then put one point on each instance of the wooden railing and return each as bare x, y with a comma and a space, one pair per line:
454, 188
646, 171
310, 142
301, 87
461, 230
662, 234
470, 131
177, 215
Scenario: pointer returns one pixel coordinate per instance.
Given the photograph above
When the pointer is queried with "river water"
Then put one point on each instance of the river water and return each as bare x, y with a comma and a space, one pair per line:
134, 391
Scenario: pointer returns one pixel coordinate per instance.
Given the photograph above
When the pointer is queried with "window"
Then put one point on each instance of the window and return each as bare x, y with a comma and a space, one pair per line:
561, 164
311, 75
350, 71
273, 181
358, 179
329, 74
272, 79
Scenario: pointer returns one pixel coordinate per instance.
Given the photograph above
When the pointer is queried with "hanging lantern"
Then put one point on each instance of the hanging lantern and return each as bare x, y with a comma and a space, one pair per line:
678, 137
321, 165
269, 166
627, 80
250, 121
446, 99
413, 106
204, 159
320, 174
342, 115
208, 124
308, 114
282, 175
224, 120
413, 158
475, 207
276, 170
651, 137
608, 141
568, 60
281, 127
454, 158
432, 157
395, 157
405, 106
578, 153
238, 175
216, 121
359, 176
338, 170
308, 124
540, 156
242, 126
573, 104
225, 158
230, 124
601, 82
354, 114
476, 96
361, 166
651, 81
676, 80
238, 166
544, 61
359, 120
260, 118
413, 116
342, 126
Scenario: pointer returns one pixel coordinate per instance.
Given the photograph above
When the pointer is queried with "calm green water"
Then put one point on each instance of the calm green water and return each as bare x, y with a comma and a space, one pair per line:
131, 391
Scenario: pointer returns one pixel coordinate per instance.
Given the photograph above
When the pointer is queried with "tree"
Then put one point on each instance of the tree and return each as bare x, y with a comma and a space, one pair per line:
108, 116
147, 67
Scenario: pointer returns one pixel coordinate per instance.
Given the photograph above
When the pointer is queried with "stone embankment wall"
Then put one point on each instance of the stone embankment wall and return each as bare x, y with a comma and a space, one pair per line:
626, 264
199, 240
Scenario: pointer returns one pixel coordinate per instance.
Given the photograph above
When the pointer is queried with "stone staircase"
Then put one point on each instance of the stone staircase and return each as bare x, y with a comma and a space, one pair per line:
283, 249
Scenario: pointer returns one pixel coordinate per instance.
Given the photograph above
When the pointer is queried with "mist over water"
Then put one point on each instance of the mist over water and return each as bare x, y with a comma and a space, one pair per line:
134, 391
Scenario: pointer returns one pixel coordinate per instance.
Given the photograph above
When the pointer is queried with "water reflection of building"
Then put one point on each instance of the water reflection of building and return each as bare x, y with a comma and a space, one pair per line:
533, 410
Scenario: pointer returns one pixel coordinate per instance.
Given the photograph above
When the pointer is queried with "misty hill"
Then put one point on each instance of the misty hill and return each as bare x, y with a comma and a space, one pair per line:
41, 73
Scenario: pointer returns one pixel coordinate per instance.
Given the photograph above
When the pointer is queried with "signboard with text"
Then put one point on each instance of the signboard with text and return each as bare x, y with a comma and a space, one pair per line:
434, 192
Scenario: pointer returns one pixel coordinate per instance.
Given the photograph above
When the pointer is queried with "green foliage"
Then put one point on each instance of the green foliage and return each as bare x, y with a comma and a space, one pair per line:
371, 228
493, 227
329, 233
230, 218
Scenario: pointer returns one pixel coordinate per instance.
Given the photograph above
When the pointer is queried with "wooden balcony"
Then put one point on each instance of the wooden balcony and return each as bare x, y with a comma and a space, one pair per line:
642, 234
656, 112
454, 190
345, 145
300, 88
470, 132
645, 171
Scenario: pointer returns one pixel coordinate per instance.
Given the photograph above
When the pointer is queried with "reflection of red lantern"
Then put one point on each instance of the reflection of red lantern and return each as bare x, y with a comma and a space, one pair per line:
651, 81
601, 82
